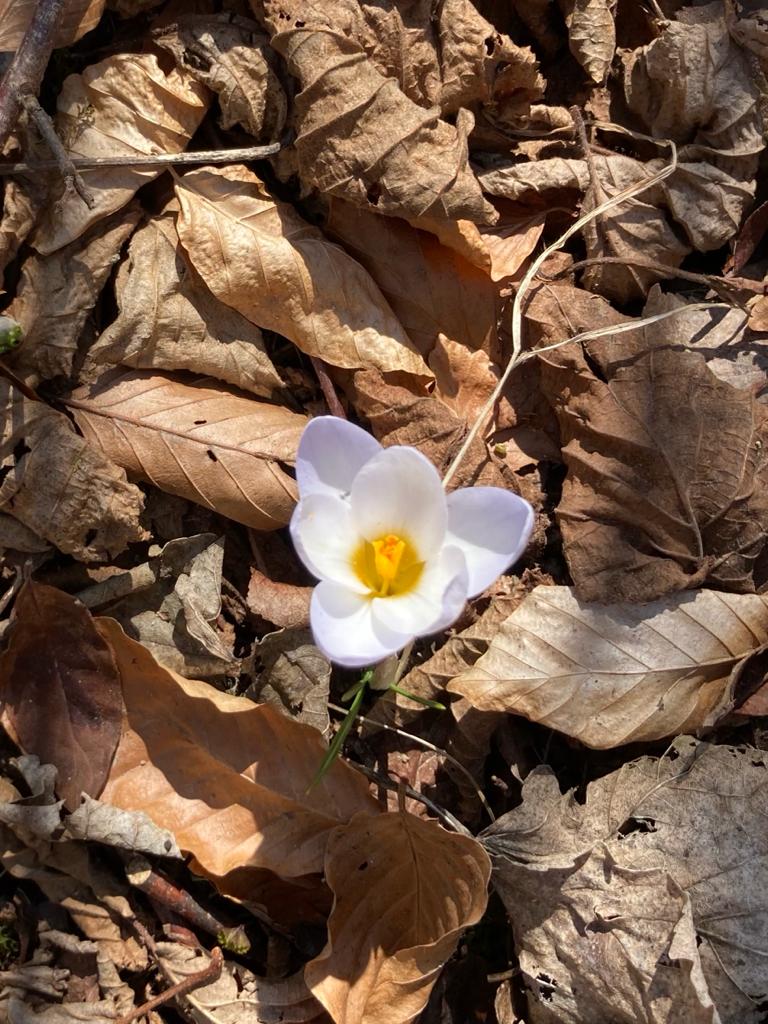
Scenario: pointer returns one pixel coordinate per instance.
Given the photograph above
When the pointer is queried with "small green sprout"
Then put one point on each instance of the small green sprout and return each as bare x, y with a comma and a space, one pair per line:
10, 335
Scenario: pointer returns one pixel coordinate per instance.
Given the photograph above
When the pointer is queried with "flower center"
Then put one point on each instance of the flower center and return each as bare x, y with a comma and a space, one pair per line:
387, 566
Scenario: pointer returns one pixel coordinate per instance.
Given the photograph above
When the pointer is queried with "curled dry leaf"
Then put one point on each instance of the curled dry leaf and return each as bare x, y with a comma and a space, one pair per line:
208, 444
395, 919
614, 674
169, 320
124, 106
61, 487
231, 56
259, 256
24, 196
283, 604
591, 34
57, 293
294, 677
57, 669
359, 137
666, 470
229, 778
77, 18
636, 903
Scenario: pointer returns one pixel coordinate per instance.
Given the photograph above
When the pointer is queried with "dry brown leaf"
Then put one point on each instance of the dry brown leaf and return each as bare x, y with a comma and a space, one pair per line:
61, 487
23, 198
231, 56
614, 674
591, 35
206, 443
397, 416
283, 604
77, 18
359, 137
15, 536
124, 106
259, 256
637, 902
169, 320
238, 996
464, 380
294, 677
57, 293
432, 289
395, 919
758, 314
666, 470
57, 669
227, 777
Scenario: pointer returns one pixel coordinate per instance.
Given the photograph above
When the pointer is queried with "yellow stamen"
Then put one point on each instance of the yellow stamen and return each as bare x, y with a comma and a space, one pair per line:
387, 553
387, 566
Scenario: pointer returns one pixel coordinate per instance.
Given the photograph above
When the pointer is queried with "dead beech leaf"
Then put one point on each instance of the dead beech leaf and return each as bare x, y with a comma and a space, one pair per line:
666, 471
395, 919
61, 690
77, 18
208, 444
591, 35
169, 320
636, 903
231, 56
432, 289
57, 293
259, 256
228, 778
124, 106
61, 487
360, 138
614, 674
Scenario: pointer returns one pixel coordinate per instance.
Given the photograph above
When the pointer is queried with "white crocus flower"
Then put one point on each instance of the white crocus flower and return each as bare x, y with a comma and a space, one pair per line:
396, 556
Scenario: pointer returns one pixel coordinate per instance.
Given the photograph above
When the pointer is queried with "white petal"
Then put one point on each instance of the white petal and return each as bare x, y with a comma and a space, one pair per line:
331, 451
434, 603
325, 539
344, 629
492, 527
399, 491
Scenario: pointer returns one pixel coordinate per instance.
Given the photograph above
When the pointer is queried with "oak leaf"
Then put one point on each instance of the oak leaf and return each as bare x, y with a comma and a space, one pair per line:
60, 486
206, 443
636, 902
124, 106
396, 919
169, 320
666, 470
259, 256
614, 674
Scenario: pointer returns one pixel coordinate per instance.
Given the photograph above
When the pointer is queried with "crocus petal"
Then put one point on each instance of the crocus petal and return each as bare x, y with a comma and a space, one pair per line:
399, 491
434, 603
331, 452
325, 539
344, 628
491, 526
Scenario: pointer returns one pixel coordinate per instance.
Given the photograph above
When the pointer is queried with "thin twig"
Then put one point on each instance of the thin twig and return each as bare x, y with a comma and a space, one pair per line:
326, 386
208, 974
69, 172
27, 68
203, 156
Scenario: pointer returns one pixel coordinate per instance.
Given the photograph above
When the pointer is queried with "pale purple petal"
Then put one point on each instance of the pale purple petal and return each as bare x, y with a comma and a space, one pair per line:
434, 603
492, 527
325, 539
344, 629
331, 452
399, 491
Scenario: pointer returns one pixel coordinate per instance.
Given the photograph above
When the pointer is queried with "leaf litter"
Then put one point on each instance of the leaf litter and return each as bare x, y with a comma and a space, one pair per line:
381, 211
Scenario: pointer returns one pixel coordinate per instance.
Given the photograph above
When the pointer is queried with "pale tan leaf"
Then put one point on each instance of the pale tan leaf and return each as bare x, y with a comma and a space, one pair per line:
614, 674
124, 106
169, 320
60, 486
231, 56
636, 902
77, 18
23, 199
396, 919
359, 137
230, 779
57, 293
206, 443
260, 257
591, 35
